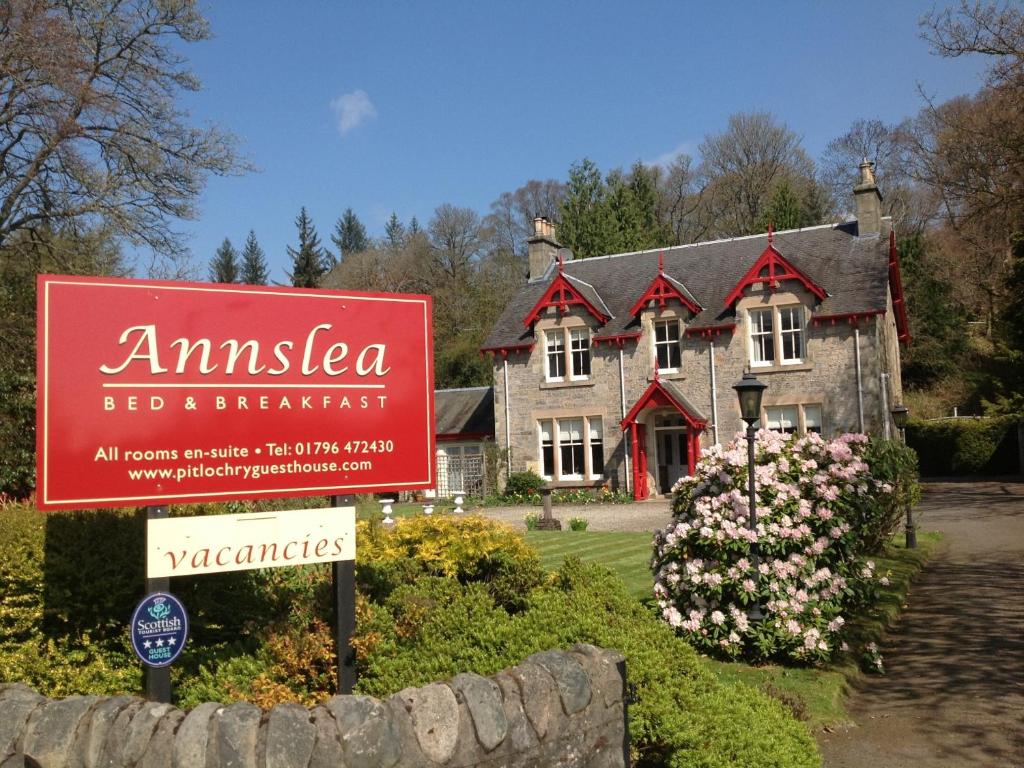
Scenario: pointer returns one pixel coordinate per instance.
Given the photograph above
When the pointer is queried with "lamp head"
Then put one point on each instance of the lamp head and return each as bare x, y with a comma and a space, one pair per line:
749, 390
900, 413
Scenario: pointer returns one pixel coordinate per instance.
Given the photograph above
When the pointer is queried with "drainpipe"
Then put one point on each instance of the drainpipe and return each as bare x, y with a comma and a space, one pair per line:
508, 434
622, 405
860, 385
885, 403
714, 395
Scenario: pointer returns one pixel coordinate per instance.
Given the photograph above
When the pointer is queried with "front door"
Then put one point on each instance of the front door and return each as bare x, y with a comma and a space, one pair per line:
673, 456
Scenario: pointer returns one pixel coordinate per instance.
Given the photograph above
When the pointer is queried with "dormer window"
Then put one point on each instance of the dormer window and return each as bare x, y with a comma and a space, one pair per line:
666, 345
556, 355
567, 349
579, 339
776, 336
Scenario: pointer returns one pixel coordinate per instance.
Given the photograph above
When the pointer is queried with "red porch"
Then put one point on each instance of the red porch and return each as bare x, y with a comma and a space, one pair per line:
663, 426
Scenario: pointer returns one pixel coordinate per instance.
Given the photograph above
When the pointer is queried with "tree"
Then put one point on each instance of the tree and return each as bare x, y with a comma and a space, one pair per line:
89, 129
586, 225
224, 264
254, 269
970, 151
309, 262
743, 166
887, 146
27, 253
394, 233
457, 238
937, 320
349, 235
511, 217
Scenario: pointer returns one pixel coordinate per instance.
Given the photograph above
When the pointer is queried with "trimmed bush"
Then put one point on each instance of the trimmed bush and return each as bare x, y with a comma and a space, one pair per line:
815, 502
466, 548
683, 717
958, 447
523, 484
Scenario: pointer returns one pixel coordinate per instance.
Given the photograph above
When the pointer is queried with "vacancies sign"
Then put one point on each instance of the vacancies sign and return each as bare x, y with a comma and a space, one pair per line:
164, 392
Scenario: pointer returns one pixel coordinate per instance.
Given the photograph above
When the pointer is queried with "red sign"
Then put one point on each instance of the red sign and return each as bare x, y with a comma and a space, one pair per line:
159, 392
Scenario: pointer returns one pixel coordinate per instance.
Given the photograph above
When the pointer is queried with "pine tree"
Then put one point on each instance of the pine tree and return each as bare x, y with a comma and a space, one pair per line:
254, 269
414, 227
784, 210
587, 226
224, 264
349, 235
309, 262
394, 233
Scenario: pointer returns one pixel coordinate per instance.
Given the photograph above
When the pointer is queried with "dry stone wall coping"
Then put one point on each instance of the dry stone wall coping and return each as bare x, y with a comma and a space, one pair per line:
555, 708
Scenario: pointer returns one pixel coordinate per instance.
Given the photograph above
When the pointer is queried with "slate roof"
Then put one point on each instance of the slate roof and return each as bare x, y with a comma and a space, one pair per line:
468, 411
852, 270
677, 394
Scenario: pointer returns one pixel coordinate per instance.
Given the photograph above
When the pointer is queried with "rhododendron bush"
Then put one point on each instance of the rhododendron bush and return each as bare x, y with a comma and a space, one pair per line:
813, 499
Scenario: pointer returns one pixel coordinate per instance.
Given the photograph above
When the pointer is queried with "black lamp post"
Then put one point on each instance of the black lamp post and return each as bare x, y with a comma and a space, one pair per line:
749, 390
899, 418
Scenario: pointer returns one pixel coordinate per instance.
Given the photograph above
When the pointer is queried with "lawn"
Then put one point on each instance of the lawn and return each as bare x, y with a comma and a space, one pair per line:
815, 694
628, 554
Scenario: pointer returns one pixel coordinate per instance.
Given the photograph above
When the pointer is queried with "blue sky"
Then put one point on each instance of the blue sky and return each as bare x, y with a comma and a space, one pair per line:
402, 106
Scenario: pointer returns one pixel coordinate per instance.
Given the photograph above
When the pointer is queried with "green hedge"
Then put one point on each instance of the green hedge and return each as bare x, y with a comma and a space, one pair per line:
684, 716
957, 447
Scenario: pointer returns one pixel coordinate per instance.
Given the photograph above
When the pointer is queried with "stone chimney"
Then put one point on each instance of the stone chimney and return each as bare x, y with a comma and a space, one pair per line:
869, 201
543, 248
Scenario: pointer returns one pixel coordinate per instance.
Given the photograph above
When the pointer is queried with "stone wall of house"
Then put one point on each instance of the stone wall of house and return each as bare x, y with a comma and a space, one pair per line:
556, 708
827, 378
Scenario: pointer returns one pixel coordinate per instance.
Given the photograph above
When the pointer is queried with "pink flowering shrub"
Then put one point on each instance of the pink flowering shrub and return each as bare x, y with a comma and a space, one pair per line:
812, 497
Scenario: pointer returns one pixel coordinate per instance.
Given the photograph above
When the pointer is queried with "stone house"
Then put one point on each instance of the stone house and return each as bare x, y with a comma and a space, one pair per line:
619, 369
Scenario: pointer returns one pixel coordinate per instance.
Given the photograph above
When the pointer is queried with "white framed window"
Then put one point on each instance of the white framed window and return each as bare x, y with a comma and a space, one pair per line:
791, 333
666, 345
596, 446
547, 448
571, 448
793, 419
567, 349
762, 337
579, 345
555, 356
776, 336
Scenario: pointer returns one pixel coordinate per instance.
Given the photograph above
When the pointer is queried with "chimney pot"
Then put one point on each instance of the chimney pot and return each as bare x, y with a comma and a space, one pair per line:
868, 201
542, 247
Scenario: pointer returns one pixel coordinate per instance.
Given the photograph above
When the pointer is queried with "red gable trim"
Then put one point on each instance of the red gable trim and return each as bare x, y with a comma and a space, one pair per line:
656, 395
778, 269
619, 339
853, 318
661, 290
562, 294
504, 351
707, 331
899, 306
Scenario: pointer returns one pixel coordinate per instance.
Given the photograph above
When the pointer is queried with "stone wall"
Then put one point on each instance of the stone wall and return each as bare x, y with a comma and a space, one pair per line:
556, 708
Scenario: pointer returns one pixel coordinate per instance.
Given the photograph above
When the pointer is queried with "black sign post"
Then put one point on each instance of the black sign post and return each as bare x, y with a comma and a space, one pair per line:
344, 600
158, 679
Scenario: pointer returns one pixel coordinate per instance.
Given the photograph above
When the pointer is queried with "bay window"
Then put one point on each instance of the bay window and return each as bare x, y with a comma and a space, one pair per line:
793, 419
571, 448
